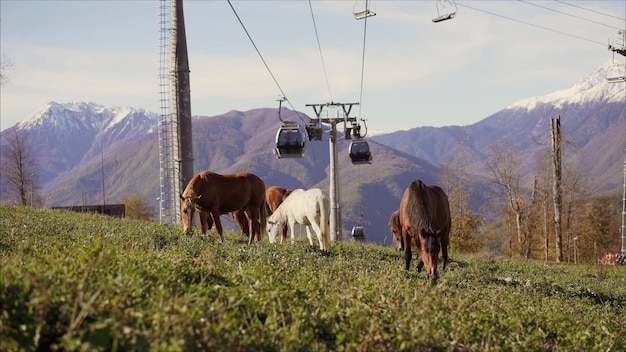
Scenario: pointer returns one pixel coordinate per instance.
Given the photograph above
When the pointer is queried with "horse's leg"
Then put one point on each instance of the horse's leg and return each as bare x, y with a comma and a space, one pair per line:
407, 249
250, 225
318, 231
444, 252
218, 223
255, 226
292, 224
242, 221
203, 222
283, 236
309, 235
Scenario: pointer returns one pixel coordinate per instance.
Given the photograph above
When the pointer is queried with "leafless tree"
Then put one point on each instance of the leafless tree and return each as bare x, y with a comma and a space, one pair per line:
465, 223
19, 169
503, 166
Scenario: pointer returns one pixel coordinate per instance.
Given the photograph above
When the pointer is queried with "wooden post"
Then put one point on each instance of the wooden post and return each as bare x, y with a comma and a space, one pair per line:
555, 129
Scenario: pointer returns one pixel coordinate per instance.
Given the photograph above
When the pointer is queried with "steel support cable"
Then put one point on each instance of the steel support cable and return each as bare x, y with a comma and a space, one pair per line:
319, 47
532, 25
567, 14
590, 10
271, 74
363, 62
263, 60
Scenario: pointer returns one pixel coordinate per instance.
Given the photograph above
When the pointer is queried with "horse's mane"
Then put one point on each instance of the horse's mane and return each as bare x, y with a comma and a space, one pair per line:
418, 208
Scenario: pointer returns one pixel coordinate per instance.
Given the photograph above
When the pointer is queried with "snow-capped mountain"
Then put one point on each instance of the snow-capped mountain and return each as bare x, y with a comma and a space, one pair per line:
65, 135
592, 114
593, 87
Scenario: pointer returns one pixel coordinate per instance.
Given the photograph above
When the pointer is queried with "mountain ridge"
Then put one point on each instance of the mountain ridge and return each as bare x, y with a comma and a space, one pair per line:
77, 143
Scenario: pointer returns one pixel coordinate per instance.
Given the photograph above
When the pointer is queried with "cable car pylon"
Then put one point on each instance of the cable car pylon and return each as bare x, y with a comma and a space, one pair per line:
334, 194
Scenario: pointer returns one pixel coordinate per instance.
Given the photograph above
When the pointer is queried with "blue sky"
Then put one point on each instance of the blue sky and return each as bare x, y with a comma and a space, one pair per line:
415, 73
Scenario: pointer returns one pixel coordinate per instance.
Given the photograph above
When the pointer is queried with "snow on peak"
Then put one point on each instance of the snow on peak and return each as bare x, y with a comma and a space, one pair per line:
73, 115
594, 87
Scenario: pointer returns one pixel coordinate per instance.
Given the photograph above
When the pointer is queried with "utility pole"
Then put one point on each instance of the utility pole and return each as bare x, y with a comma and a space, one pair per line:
334, 193
620, 77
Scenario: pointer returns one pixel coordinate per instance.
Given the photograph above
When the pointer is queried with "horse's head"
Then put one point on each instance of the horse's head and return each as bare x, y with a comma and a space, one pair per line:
273, 229
396, 231
187, 209
429, 252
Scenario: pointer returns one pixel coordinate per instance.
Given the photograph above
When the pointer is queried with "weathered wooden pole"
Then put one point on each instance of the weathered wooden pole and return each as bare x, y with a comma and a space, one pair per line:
555, 129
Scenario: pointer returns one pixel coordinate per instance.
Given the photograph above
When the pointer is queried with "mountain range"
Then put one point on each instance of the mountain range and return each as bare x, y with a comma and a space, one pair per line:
89, 154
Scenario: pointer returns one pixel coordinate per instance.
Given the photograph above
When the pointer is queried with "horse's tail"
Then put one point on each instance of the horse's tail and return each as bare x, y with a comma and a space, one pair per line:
324, 215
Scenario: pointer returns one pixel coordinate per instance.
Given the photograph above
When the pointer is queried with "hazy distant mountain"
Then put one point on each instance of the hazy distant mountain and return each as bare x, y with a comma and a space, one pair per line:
81, 145
64, 136
592, 113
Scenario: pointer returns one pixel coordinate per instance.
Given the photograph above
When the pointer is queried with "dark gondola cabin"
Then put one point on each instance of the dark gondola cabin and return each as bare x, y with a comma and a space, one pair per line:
360, 152
358, 233
289, 142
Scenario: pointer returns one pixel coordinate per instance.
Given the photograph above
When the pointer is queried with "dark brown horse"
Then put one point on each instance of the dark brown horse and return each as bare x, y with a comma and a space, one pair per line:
213, 194
424, 217
274, 196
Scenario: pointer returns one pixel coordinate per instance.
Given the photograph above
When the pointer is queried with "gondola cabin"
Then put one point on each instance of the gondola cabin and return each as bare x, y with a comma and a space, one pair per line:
360, 152
358, 233
289, 142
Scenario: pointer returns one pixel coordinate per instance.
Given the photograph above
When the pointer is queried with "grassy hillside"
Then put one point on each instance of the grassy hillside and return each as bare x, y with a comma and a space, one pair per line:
86, 282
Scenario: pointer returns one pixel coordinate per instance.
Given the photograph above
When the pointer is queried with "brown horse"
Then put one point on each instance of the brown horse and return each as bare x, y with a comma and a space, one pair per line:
211, 194
424, 217
274, 196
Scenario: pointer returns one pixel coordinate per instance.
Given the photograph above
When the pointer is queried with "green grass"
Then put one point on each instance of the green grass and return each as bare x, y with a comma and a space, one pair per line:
86, 282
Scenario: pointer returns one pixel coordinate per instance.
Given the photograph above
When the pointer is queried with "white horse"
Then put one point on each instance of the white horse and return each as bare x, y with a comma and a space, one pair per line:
310, 208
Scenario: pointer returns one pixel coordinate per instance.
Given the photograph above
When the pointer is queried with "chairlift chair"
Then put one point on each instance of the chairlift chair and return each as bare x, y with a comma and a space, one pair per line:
446, 10
289, 142
616, 73
359, 15
359, 152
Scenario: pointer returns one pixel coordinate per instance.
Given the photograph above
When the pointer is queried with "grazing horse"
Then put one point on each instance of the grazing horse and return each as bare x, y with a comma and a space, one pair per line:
424, 217
211, 194
274, 196
310, 208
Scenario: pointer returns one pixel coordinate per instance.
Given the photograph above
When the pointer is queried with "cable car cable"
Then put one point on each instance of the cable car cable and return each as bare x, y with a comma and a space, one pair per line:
363, 58
255, 48
264, 62
568, 14
533, 25
590, 10
319, 47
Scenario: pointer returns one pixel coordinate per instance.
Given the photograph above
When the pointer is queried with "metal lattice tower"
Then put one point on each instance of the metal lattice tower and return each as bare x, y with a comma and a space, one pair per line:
169, 154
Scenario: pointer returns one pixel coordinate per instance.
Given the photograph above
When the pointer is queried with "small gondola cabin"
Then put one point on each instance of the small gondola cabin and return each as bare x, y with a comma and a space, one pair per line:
289, 142
360, 152
358, 233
